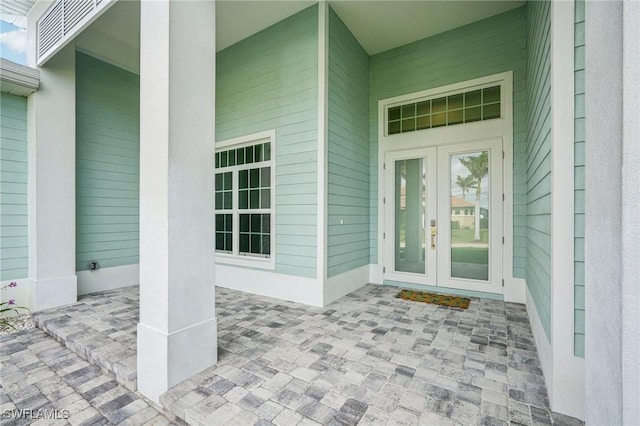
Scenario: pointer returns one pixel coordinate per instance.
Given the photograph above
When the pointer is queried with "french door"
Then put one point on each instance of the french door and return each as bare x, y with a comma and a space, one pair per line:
443, 216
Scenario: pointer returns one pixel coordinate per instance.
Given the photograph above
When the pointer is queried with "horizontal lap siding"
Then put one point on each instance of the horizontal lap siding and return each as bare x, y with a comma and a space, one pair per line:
579, 179
490, 46
107, 164
348, 151
270, 81
538, 164
14, 240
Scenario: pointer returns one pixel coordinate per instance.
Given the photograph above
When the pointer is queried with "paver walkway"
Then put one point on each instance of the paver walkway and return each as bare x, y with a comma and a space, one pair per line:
54, 386
367, 358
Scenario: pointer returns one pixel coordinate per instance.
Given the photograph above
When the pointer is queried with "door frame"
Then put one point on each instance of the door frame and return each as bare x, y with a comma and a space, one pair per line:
460, 133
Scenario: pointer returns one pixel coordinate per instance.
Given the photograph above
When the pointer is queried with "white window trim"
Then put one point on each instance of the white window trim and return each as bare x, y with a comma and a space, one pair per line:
235, 258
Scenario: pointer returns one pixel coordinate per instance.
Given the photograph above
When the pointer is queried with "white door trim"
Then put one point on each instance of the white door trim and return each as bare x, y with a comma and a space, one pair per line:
481, 130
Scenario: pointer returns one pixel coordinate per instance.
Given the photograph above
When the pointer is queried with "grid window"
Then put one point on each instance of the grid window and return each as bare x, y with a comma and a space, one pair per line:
244, 201
467, 107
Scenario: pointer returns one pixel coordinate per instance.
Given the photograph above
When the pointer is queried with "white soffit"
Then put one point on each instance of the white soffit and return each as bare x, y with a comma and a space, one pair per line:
383, 25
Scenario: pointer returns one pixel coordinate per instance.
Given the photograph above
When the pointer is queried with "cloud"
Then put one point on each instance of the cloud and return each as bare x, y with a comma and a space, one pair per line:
15, 40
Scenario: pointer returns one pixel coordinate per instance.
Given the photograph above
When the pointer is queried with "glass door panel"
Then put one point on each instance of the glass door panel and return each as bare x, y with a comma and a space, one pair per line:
410, 203
469, 213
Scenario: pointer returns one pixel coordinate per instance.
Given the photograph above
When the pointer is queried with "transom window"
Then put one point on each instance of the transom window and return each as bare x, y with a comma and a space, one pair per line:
459, 108
244, 198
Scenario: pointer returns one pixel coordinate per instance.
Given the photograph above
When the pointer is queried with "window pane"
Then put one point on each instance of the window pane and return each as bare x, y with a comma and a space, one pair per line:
265, 198
455, 101
265, 179
394, 113
218, 201
267, 151
228, 181
227, 200
254, 178
228, 241
217, 159
244, 243
439, 119
266, 244
266, 223
394, 127
219, 181
240, 155
472, 114
490, 111
254, 199
491, 94
424, 108
258, 153
472, 98
255, 223
243, 199
424, 122
410, 199
454, 117
244, 223
248, 155
219, 222
243, 177
409, 111
409, 125
219, 241
256, 244
439, 105
231, 157
223, 159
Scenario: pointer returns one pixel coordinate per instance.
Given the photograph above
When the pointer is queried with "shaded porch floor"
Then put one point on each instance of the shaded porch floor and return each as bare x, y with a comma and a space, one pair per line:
367, 358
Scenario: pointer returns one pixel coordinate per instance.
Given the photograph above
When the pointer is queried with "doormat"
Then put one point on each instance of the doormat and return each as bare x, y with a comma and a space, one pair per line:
438, 299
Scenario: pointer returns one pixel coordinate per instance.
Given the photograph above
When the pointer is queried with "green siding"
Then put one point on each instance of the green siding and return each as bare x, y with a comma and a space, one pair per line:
348, 151
579, 179
538, 164
107, 164
490, 46
270, 81
14, 250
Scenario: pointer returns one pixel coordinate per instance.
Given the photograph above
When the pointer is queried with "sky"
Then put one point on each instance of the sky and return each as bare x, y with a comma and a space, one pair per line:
13, 43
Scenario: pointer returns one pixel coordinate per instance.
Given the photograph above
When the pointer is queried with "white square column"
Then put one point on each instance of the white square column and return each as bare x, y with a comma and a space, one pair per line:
51, 139
177, 333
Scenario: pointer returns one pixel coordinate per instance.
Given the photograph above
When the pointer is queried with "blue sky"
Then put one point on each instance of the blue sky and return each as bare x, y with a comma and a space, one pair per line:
13, 43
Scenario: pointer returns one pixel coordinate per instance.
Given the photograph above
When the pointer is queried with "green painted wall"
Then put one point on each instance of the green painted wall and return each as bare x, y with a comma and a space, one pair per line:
538, 155
490, 46
14, 254
270, 81
348, 151
107, 164
579, 179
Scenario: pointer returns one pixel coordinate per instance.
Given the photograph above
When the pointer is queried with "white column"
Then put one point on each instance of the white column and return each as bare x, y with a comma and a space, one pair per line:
177, 330
52, 178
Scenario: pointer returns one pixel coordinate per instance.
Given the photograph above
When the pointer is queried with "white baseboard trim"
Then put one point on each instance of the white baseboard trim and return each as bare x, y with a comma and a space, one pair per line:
515, 290
271, 284
375, 274
164, 360
53, 292
343, 284
108, 278
542, 342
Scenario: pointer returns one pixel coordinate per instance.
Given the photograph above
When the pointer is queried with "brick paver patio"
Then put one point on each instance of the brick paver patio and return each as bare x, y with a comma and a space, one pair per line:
367, 358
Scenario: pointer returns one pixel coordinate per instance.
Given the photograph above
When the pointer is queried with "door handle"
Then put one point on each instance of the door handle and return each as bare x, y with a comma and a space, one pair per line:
433, 238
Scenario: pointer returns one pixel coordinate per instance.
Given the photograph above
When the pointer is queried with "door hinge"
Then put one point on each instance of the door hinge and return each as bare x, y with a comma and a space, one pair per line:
384, 200
384, 166
503, 283
384, 235
502, 240
502, 197
503, 155
384, 269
